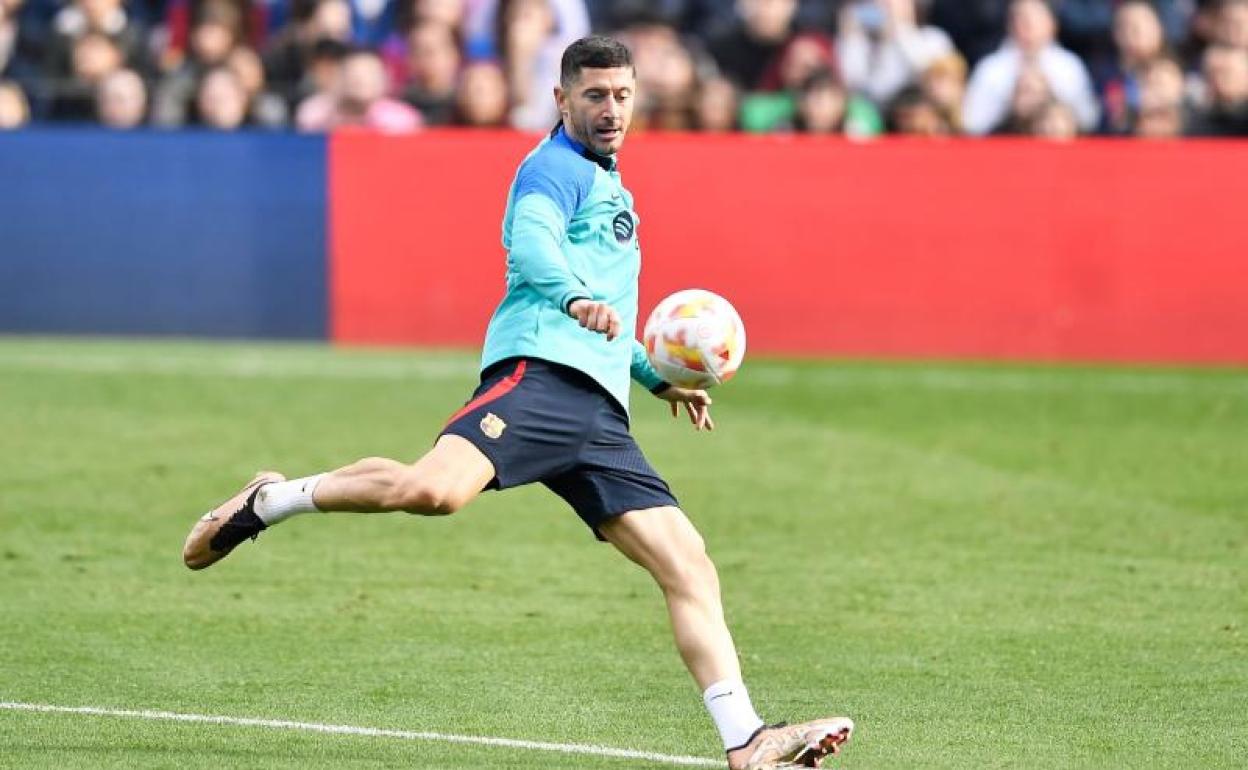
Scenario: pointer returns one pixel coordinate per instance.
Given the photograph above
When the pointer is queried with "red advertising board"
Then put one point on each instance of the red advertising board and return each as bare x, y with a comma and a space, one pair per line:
1097, 250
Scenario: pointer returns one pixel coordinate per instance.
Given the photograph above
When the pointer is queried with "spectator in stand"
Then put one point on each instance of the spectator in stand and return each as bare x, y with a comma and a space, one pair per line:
93, 57
101, 17
396, 51
359, 100
1031, 43
821, 105
449, 13
775, 106
1056, 122
1201, 31
698, 17
1231, 23
14, 109
974, 25
528, 37
317, 39
452, 13
481, 101
411, 13
716, 106
121, 100
1225, 112
264, 108
1088, 29
1162, 111
252, 25
882, 48
944, 86
324, 67
666, 77
913, 113
216, 31
1138, 39
221, 100
432, 71
1031, 95
672, 99
746, 49
1161, 82
805, 54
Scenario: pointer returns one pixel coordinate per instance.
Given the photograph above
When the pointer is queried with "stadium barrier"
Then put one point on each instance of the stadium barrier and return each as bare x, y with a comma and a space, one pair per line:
163, 233
1097, 250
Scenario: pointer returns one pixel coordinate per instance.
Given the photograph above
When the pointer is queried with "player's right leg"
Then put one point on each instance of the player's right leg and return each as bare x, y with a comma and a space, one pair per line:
446, 479
665, 543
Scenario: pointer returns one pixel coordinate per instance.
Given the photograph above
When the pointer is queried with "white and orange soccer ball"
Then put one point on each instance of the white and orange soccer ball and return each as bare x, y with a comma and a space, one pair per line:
695, 339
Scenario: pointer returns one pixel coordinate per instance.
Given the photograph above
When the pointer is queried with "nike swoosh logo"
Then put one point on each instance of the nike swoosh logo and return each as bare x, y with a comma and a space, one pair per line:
722, 695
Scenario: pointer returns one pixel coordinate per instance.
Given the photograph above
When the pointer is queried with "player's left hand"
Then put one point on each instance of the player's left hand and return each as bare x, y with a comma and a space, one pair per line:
697, 405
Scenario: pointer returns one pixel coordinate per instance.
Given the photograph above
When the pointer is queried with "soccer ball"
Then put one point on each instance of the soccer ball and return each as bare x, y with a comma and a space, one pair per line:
695, 339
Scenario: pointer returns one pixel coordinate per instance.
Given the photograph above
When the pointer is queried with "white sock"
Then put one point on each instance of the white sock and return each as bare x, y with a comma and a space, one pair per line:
734, 715
280, 500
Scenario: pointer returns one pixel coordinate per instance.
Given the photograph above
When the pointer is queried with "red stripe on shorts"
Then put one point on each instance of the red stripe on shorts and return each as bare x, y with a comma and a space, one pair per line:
500, 389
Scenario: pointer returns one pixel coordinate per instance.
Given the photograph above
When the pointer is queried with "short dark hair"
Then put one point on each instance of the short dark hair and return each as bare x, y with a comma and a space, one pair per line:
593, 52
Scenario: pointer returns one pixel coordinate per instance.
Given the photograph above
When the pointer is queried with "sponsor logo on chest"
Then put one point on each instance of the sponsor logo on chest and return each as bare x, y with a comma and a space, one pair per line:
623, 226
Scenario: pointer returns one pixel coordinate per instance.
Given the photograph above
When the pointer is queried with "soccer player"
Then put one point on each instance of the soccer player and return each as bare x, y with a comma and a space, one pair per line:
552, 406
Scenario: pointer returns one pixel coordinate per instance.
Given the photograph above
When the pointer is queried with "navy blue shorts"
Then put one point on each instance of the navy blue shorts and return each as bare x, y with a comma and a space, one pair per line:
539, 421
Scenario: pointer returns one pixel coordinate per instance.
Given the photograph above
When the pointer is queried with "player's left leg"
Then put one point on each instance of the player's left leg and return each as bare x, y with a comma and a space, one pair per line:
665, 543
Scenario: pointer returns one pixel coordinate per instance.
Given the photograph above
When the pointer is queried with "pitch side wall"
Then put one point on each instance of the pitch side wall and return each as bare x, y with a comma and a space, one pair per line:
151, 232
1100, 250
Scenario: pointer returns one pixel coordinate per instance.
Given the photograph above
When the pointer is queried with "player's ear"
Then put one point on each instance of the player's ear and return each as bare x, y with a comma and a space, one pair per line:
559, 102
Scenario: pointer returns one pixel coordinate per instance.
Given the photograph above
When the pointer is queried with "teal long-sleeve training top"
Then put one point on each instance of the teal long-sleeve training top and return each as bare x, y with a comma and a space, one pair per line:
570, 233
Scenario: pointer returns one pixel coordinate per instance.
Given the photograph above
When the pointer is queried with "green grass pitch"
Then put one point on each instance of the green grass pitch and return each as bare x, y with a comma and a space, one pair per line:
986, 566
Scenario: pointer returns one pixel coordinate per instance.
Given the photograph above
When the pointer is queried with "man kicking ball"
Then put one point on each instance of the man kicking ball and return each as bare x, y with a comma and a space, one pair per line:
552, 406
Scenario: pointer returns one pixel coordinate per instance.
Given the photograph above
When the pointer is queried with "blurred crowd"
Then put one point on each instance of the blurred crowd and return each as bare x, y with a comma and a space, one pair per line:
1049, 68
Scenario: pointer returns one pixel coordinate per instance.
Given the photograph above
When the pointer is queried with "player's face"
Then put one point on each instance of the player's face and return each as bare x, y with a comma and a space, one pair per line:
598, 107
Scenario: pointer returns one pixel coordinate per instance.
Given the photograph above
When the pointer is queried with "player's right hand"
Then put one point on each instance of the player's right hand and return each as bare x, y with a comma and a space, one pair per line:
597, 317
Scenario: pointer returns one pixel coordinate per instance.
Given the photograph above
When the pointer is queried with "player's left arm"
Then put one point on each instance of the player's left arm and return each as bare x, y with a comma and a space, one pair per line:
697, 402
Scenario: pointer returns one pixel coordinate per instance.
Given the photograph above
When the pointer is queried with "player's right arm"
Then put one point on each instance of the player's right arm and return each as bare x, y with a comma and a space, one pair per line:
538, 228
596, 316
548, 192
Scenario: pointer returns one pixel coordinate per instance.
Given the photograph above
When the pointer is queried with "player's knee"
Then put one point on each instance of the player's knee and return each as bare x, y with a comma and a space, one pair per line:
689, 571
426, 495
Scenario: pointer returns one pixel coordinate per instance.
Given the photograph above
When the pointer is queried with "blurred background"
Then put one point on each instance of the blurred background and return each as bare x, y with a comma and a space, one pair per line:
1147, 68
902, 178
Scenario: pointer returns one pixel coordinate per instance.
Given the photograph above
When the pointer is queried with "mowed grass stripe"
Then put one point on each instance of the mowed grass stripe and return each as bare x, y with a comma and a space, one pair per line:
315, 361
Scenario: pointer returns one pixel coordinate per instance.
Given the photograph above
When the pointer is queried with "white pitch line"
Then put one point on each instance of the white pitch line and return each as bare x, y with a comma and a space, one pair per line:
371, 732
